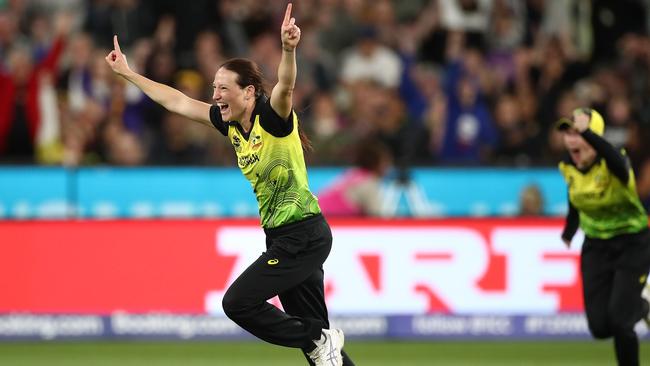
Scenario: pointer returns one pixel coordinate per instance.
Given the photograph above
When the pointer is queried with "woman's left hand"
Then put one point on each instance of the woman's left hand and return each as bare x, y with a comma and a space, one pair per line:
290, 33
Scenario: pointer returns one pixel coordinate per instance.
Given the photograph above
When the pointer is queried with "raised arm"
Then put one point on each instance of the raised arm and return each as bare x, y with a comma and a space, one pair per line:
170, 98
282, 93
617, 163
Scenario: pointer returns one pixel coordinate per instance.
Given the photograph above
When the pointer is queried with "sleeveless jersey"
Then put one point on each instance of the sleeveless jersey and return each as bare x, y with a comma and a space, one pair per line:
274, 165
607, 207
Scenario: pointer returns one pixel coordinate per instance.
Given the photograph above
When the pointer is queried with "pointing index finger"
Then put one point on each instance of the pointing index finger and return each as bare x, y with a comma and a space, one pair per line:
116, 44
287, 15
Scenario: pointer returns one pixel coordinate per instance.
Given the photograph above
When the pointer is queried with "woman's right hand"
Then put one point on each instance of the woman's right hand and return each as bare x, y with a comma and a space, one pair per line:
290, 33
581, 121
117, 60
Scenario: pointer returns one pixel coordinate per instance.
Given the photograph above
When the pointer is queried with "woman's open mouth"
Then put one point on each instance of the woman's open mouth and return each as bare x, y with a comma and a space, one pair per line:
223, 107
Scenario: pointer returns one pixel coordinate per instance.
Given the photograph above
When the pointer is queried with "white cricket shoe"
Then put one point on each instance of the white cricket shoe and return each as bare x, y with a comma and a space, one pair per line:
328, 348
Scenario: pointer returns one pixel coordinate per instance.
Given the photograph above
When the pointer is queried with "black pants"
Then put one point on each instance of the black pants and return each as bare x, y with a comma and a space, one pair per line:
292, 268
614, 272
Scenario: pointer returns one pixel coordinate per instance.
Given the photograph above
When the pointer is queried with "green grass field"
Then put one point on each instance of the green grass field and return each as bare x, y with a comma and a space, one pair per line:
258, 353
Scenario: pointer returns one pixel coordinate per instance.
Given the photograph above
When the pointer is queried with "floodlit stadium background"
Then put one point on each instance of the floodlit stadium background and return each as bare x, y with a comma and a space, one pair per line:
120, 221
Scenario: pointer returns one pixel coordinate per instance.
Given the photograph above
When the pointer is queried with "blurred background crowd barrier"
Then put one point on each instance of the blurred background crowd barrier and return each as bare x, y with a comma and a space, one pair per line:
141, 193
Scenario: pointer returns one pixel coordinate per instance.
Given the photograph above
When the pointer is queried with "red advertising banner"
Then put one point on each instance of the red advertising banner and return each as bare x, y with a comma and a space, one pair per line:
459, 266
103, 266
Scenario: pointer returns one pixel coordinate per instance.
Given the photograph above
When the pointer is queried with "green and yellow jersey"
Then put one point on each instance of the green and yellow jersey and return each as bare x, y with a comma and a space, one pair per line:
604, 195
270, 156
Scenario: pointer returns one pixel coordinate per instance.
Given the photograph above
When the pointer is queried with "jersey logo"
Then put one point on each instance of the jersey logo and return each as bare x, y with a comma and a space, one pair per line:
642, 279
236, 142
272, 262
244, 161
601, 181
256, 141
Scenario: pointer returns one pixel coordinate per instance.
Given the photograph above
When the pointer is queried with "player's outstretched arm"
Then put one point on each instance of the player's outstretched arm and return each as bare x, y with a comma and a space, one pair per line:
282, 93
170, 98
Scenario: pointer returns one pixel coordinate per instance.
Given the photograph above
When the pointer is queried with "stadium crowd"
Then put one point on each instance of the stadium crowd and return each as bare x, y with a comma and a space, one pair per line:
440, 82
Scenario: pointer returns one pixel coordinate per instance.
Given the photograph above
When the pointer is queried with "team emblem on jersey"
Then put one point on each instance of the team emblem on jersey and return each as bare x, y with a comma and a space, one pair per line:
601, 180
236, 142
256, 141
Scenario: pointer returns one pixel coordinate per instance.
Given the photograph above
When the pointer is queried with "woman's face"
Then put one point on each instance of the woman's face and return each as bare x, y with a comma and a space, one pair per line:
229, 96
581, 152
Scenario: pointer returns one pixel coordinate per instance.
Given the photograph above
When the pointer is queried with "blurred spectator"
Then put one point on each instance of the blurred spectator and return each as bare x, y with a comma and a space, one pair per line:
208, 55
176, 146
131, 19
419, 80
266, 53
8, 31
318, 67
531, 201
76, 80
406, 139
466, 15
242, 21
515, 146
48, 139
370, 60
82, 144
125, 149
325, 128
180, 142
339, 22
551, 79
20, 88
191, 18
619, 121
159, 65
469, 135
358, 191
506, 29
378, 112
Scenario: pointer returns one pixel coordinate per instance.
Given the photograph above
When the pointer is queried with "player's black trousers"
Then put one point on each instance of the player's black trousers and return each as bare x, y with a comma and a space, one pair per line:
292, 268
614, 272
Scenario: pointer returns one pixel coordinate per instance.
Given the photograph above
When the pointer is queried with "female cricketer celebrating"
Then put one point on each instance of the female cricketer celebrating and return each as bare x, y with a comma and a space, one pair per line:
615, 256
265, 135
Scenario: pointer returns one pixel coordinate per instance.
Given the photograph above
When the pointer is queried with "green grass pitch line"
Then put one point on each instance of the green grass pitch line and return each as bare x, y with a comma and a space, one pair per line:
257, 353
